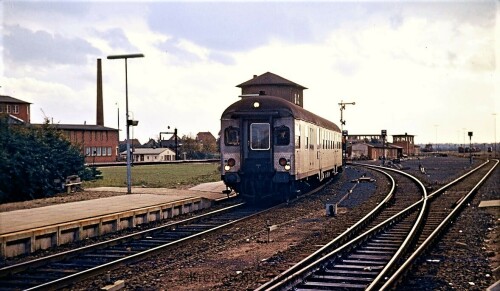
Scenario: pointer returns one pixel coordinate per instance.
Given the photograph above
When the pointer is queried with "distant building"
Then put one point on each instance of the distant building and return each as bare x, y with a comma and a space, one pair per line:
99, 144
205, 137
150, 155
373, 151
406, 142
274, 85
17, 109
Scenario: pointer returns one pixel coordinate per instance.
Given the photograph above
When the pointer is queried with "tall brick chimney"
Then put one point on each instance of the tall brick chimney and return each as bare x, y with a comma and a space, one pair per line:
100, 110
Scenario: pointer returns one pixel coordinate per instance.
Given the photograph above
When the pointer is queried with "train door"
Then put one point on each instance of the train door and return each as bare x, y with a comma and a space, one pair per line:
311, 149
257, 159
257, 135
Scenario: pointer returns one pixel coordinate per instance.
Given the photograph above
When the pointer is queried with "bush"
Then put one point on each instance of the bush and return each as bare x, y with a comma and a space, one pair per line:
32, 159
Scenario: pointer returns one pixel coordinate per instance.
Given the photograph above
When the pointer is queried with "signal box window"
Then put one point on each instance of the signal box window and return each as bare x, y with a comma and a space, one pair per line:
232, 136
260, 136
282, 136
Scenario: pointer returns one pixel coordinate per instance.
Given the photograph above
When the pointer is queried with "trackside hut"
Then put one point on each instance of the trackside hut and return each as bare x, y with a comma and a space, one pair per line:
151, 155
374, 151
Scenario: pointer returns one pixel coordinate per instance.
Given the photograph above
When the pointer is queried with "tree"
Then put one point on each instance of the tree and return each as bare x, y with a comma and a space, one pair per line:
33, 159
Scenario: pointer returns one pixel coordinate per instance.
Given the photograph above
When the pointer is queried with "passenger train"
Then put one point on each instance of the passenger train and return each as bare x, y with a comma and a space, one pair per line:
274, 149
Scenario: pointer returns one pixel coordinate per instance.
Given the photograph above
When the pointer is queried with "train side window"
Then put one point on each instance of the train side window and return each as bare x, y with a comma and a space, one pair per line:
297, 135
282, 135
232, 136
260, 136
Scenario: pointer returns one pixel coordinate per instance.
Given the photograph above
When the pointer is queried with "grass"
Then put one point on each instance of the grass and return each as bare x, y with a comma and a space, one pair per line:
158, 176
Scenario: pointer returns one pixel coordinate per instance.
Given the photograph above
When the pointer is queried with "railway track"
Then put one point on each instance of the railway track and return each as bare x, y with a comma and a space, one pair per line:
66, 268
371, 260
61, 269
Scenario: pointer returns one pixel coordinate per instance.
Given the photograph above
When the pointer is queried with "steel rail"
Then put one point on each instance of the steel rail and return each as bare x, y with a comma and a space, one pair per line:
282, 278
61, 282
12, 269
64, 281
295, 278
411, 235
439, 229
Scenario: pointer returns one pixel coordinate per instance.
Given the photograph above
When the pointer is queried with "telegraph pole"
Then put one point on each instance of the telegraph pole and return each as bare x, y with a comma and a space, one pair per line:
342, 105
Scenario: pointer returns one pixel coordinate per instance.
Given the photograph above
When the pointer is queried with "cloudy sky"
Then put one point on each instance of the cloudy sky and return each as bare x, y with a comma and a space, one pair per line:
425, 68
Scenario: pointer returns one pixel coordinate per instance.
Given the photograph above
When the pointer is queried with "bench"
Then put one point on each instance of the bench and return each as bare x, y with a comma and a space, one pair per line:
72, 183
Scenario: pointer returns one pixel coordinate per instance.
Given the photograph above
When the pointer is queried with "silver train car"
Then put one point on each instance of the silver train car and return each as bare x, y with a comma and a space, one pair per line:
274, 149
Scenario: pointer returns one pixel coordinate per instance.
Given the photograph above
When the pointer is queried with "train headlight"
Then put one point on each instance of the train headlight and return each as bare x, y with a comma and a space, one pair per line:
285, 163
227, 167
256, 104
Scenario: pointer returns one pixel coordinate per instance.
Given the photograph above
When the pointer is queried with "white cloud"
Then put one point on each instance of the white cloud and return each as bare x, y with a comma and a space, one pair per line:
407, 66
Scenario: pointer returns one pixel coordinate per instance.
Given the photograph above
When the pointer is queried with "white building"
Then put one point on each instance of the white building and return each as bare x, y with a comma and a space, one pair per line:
151, 155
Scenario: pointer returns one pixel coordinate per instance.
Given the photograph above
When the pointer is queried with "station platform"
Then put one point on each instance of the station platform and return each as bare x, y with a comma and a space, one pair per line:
27, 230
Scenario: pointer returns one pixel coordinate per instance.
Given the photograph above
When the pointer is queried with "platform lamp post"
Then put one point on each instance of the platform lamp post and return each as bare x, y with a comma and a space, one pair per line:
129, 122
470, 147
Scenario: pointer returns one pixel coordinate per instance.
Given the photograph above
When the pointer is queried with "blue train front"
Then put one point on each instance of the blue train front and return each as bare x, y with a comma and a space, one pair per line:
274, 149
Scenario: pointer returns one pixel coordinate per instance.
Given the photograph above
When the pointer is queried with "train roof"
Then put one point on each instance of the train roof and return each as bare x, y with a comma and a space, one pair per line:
277, 106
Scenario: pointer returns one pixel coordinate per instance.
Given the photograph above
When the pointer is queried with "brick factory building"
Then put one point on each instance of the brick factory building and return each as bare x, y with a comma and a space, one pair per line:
98, 143
17, 109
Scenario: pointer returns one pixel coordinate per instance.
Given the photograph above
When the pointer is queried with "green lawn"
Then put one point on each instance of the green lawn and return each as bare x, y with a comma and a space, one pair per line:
158, 176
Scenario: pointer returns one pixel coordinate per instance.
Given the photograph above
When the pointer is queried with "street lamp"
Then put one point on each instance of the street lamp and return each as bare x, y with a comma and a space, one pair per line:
129, 122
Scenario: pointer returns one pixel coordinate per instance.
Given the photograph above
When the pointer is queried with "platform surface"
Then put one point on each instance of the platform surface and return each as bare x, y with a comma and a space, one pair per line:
18, 220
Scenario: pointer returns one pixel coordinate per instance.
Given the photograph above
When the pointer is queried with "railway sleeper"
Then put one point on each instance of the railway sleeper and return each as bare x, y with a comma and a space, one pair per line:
309, 285
364, 262
351, 273
338, 279
370, 257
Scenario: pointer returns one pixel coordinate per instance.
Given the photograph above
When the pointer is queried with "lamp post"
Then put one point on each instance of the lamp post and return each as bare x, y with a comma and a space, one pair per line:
470, 146
129, 122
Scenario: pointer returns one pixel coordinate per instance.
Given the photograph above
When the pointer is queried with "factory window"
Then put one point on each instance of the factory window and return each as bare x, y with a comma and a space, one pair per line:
98, 151
260, 136
282, 135
16, 109
109, 151
94, 151
232, 136
87, 151
7, 109
1, 108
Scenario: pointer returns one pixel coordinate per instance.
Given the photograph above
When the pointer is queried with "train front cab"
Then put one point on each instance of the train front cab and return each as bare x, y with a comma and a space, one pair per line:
261, 171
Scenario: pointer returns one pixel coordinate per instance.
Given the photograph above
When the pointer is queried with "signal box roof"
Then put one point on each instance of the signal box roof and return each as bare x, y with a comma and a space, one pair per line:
269, 78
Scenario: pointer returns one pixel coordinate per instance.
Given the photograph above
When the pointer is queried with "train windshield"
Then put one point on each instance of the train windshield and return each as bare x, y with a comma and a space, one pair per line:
260, 136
